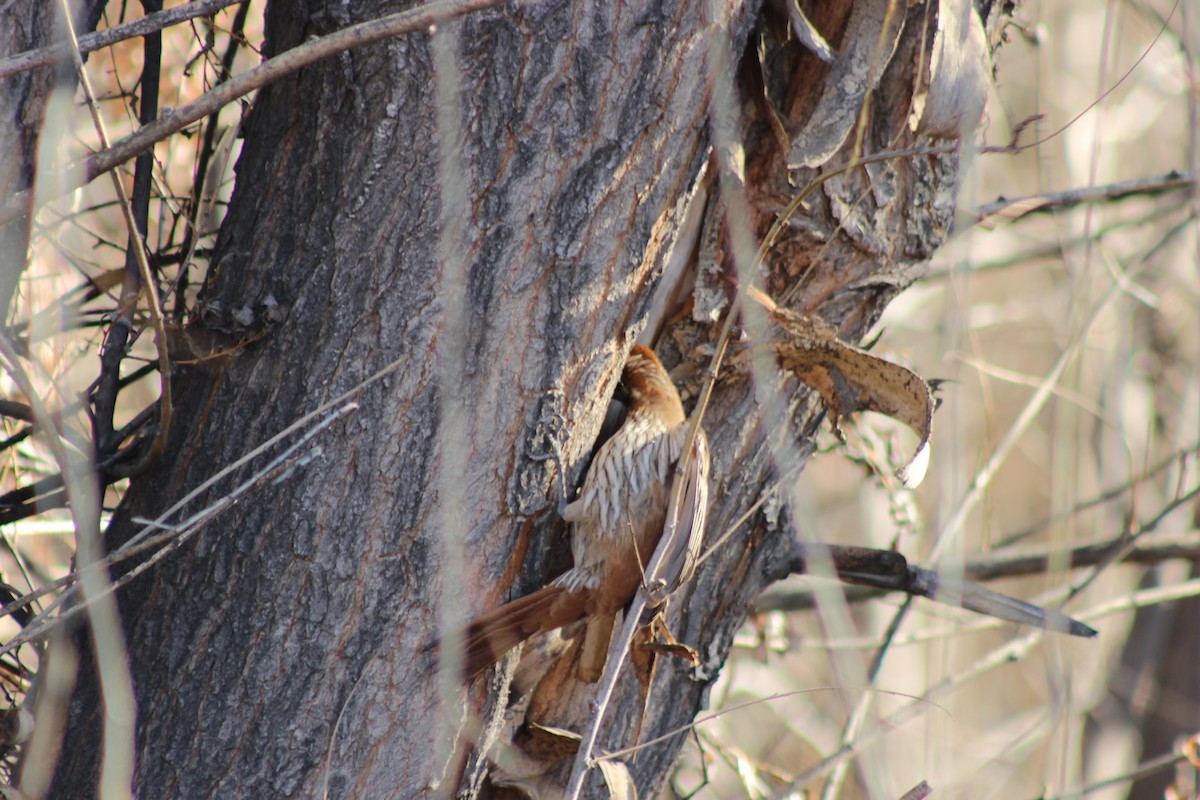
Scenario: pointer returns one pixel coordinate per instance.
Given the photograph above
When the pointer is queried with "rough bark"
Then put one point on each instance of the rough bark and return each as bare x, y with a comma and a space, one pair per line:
584, 127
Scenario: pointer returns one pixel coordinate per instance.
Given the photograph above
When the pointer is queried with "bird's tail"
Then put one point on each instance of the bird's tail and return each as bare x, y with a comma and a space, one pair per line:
489, 637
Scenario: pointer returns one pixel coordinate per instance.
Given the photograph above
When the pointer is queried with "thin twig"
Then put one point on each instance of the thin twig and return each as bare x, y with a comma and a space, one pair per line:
1125, 545
1011, 650
61, 414
450, 354
987, 471
116, 683
1150, 551
138, 245
617, 651
1106, 496
200, 187
918, 792
90, 42
1123, 604
1050, 201
999, 566
1137, 63
1143, 770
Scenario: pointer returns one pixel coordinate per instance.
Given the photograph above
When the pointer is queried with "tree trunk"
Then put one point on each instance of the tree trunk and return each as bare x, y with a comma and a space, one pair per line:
285, 650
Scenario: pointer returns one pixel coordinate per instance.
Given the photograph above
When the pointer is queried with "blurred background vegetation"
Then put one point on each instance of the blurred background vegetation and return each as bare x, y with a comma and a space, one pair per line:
1065, 316
1110, 457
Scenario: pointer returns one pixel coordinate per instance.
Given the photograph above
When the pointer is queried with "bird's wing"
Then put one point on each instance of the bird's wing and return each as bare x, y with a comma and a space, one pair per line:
674, 559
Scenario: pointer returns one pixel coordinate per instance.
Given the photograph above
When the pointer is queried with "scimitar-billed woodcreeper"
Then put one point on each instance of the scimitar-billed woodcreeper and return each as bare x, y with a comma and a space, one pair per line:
616, 522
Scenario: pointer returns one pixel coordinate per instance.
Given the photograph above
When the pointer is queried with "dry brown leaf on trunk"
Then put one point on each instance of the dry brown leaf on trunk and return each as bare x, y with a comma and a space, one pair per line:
652, 640
850, 379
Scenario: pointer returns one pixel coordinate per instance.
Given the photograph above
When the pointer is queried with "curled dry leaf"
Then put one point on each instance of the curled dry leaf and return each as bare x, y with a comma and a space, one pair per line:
850, 379
651, 640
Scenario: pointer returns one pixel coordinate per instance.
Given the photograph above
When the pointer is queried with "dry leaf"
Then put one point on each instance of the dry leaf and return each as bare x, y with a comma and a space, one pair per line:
649, 641
661, 640
850, 379
643, 660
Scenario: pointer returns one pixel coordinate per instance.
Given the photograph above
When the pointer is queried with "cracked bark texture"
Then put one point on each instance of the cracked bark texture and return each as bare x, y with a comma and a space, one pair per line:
584, 126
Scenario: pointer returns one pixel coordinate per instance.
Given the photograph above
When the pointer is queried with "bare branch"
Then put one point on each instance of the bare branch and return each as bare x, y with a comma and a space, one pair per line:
997, 566
263, 75
1017, 207
88, 43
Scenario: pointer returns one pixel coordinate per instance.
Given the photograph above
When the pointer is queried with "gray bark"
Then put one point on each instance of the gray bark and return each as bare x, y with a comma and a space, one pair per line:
584, 125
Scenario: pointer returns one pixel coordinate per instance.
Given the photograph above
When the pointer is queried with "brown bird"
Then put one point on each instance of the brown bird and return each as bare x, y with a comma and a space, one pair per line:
617, 523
